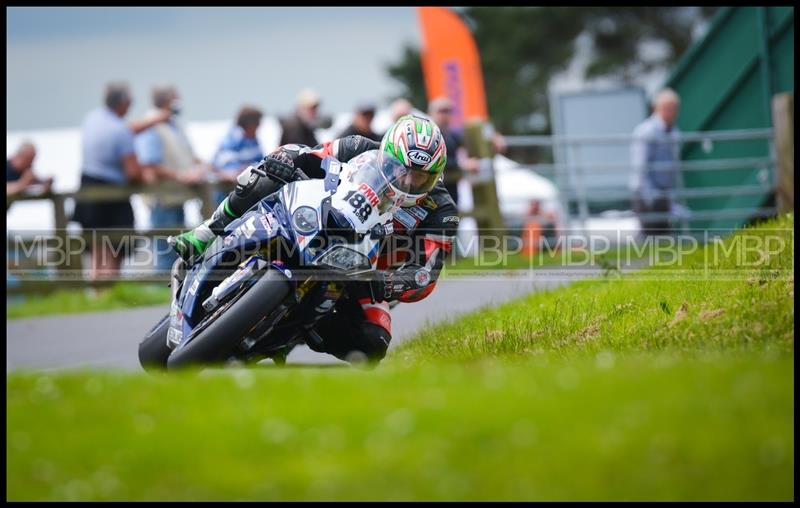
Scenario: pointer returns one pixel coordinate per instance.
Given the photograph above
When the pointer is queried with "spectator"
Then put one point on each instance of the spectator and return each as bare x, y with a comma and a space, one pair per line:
655, 162
400, 107
109, 159
165, 150
19, 172
362, 122
299, 128
458, 161
20, 178
239, 148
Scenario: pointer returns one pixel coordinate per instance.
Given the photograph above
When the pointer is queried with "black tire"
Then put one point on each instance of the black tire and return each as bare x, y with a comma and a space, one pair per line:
153, 350
221, 336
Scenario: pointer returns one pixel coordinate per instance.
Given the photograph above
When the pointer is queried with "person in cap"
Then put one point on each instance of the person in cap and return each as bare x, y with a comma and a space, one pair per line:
362, 122
299, 128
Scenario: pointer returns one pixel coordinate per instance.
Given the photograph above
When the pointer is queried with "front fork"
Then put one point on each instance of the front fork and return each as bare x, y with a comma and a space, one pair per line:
177, 274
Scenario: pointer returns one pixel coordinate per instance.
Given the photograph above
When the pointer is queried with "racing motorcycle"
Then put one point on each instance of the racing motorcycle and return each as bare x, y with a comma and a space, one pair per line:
259, 288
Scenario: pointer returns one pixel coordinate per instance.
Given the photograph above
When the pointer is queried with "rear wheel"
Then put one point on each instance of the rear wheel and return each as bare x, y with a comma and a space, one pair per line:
217, 340
153, 350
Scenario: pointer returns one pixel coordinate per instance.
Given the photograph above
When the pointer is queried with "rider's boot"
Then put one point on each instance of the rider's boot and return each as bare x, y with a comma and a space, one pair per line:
191, 244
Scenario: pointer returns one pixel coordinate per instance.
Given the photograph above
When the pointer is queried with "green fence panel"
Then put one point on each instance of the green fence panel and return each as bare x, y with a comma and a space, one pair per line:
726, 81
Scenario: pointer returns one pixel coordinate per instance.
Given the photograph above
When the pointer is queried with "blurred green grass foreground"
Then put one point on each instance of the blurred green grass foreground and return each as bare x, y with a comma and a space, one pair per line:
671, 383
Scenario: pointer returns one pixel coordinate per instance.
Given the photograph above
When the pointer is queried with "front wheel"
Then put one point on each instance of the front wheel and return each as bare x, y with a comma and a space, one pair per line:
153, 350
213, 344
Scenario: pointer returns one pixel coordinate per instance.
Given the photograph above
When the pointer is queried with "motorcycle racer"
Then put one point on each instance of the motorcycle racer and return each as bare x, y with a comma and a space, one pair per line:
412, 156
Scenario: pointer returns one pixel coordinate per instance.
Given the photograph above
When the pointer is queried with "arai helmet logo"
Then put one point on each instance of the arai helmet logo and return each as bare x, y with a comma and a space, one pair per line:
419, 157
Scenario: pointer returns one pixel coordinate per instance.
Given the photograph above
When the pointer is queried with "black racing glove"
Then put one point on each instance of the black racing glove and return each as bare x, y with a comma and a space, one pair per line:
279, 166
393, 283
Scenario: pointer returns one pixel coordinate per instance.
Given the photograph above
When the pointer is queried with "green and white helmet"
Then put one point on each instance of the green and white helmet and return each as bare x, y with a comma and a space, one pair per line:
412, 157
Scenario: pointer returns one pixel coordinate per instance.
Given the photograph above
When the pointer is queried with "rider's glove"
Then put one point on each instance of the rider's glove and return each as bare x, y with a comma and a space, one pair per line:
279, 166
392, 284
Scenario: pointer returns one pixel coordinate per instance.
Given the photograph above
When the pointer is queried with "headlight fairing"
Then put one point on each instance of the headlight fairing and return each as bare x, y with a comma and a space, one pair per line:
344, 259
305, 220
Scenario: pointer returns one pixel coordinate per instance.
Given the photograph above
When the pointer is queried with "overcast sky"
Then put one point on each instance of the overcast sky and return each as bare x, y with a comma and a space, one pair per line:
59, 58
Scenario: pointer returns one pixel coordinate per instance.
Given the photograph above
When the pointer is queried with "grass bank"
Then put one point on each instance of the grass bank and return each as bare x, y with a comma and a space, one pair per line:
732, 295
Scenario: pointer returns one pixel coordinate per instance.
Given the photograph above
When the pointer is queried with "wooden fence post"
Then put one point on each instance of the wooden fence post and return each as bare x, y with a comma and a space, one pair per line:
783, 124
207, 195
484, 192
71, 261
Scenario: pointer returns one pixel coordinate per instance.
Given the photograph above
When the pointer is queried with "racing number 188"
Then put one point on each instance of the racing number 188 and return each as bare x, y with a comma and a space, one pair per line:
359, 204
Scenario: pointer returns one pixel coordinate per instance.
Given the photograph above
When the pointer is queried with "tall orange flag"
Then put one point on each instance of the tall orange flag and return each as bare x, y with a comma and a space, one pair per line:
451, 64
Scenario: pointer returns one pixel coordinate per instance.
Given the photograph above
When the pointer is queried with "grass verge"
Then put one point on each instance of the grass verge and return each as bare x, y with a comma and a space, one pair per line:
634, 428
121, 295
737, 294
505, 260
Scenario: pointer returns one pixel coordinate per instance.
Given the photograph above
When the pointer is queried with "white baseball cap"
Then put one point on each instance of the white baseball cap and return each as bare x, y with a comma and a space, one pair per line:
308, 97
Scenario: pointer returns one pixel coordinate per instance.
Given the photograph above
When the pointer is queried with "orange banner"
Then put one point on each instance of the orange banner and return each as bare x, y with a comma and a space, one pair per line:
451, 64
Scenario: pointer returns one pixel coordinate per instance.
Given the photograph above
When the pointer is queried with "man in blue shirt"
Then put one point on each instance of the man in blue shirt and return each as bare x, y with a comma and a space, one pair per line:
166, 151
655, 161
109, 159
239, 148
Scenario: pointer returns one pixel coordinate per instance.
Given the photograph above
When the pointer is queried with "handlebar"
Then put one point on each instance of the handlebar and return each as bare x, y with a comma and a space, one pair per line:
300, 174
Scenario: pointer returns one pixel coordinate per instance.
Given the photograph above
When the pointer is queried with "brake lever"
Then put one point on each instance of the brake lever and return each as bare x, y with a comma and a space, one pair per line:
358, 275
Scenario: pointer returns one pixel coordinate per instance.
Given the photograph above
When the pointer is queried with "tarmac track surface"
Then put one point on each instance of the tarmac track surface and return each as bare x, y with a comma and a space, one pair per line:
109, 340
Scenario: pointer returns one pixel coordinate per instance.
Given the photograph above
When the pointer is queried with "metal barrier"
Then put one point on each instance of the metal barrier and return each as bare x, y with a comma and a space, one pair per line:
576, 179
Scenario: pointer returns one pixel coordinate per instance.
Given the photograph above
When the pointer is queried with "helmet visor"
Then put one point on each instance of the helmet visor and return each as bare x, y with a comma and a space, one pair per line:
367, 173
411, 181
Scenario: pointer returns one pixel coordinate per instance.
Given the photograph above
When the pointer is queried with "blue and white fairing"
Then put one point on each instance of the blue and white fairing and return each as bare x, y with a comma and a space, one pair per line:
265, 221
308, 203
297, 212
